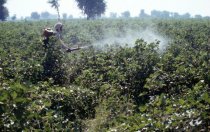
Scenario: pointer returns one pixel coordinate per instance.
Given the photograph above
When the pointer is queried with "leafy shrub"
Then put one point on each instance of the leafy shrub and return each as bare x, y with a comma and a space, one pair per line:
126, 88
44, 107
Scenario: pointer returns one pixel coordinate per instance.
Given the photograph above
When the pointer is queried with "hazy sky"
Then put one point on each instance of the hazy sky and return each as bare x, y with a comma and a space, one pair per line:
25, 7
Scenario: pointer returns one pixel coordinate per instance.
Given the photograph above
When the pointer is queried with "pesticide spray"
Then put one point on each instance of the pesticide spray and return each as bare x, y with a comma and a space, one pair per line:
129, 38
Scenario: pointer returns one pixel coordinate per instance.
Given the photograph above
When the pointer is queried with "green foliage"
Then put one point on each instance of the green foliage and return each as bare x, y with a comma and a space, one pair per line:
188, 113
179, 87
35, 15
54, 66
127, 68
44, 107
116, 88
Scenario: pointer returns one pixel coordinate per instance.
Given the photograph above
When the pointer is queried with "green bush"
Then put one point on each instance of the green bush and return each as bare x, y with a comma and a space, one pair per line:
114, 88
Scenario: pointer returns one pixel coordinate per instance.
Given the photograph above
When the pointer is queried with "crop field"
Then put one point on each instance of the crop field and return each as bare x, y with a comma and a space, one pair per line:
130, 75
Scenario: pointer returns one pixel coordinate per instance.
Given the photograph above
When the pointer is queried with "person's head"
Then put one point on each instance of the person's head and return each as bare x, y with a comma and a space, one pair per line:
58, 27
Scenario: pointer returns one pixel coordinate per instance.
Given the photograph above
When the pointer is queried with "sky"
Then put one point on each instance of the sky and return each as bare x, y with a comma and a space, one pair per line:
23, 8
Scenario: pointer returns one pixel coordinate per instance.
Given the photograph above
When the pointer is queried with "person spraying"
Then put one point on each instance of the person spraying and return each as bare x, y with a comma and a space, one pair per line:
58, 28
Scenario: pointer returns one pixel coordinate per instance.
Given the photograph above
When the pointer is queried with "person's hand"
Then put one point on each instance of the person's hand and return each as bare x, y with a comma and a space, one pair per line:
68, 50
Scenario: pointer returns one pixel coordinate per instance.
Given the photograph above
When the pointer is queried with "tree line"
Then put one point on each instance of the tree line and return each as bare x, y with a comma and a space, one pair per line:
90, 8
167, 14
94, 9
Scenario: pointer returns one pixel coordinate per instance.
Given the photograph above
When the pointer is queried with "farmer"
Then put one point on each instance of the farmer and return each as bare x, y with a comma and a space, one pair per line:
58, 30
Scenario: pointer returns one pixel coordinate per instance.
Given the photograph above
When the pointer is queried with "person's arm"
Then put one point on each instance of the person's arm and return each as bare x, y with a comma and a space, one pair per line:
72, 49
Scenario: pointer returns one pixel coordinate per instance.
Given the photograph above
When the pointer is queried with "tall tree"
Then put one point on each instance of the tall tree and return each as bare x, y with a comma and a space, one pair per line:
113, 15
92, 8
198, 16
186, 15
3, 10
55, 4
143, 14
126, 14
35, 15
14, 17
45, 15
64, 16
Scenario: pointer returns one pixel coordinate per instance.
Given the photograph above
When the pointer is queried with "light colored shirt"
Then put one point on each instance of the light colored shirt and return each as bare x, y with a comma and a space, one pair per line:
58, 29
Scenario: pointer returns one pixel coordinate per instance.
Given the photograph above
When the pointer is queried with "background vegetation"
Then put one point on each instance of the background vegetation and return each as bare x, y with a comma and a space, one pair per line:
114, 88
